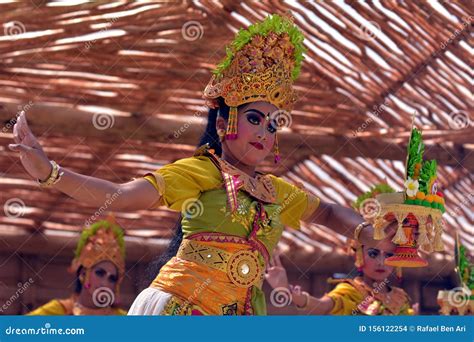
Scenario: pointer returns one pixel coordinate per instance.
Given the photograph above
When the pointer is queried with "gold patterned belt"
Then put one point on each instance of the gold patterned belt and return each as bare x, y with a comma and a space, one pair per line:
243, 267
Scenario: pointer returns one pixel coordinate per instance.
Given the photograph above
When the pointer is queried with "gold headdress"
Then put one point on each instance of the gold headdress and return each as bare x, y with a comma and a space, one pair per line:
102, 241
418, 210
261, 64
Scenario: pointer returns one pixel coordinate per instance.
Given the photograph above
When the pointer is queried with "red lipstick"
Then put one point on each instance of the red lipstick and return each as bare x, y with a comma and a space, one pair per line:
257, 145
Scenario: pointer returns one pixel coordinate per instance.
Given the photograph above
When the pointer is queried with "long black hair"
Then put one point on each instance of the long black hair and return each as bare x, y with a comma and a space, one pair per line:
208, 137
77, 281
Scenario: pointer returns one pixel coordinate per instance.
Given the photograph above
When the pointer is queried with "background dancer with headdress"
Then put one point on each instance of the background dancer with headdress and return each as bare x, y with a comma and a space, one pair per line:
99, 266
370, 292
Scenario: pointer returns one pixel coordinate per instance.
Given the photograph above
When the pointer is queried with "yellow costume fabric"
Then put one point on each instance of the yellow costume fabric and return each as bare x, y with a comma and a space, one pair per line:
64, 307
189, 178
195, 186
354, 297
52, 308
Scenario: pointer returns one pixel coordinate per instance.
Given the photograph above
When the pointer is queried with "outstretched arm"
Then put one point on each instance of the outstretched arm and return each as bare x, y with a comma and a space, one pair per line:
342, 220
310, 305
135, 195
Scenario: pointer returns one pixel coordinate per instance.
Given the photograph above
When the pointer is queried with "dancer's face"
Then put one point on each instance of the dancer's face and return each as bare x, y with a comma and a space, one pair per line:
103, 274
374, 258
256, 134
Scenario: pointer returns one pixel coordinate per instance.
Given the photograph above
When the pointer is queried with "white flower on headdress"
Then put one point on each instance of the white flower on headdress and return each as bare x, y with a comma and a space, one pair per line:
411, 187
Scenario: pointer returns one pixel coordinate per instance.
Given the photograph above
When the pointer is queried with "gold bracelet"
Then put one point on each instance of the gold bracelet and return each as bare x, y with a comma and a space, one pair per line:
53, 178
306, 294
358, 229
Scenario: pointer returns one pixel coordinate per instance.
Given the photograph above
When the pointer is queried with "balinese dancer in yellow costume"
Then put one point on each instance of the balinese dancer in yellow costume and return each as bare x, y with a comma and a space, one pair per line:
371, 292
99, 267
232, 215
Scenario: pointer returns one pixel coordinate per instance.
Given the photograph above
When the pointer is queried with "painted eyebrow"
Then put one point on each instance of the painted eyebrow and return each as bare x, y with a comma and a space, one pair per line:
256, 111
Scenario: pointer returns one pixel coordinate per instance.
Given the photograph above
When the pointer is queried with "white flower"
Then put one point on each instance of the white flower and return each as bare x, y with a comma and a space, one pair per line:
412, 187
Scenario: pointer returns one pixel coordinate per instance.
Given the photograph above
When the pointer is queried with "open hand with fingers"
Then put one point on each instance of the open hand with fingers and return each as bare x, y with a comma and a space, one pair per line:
298, 296
275, 273
32, 156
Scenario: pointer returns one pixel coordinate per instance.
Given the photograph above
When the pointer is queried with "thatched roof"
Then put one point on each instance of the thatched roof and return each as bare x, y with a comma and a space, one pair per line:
142, 67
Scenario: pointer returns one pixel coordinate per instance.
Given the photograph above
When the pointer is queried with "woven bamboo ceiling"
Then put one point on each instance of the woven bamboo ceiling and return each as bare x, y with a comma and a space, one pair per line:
113, 90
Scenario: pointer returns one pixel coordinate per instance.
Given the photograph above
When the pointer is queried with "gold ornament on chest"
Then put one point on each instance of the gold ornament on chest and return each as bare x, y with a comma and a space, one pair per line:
260, 187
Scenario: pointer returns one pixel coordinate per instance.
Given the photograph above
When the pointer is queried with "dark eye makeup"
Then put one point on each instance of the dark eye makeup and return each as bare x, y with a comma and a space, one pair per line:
373, 253
100, 272
256, 117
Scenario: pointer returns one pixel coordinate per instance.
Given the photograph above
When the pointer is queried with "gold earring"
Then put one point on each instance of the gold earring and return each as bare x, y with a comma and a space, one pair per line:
221, 134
